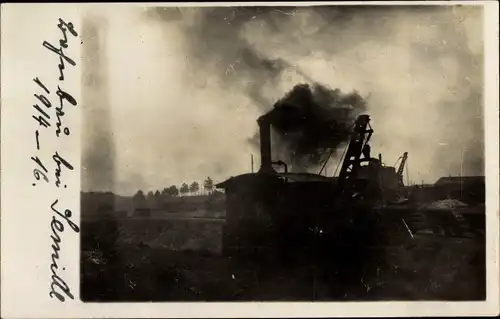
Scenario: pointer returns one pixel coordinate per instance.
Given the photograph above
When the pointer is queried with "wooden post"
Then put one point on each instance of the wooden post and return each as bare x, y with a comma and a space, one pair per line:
251, 158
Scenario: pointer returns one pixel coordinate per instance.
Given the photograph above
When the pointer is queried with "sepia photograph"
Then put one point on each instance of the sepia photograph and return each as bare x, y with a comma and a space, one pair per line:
282, 153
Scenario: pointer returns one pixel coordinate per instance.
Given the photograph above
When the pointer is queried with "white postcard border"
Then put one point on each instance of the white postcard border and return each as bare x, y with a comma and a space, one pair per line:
26, 214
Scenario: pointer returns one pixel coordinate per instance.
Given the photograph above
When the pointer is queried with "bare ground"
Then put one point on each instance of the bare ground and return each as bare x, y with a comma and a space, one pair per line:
420, 270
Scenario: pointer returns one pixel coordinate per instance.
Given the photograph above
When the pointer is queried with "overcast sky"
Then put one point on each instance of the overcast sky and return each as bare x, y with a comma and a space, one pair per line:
182, 90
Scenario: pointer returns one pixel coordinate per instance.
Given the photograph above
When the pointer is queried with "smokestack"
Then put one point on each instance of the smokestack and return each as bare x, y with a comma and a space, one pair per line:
265, 145
311, 122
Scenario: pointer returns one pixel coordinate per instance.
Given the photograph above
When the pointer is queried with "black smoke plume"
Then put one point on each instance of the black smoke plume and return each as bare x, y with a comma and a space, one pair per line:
311, 122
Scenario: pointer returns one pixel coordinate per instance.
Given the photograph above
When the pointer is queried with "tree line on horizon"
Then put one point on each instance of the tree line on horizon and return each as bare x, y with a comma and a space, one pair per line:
184, 189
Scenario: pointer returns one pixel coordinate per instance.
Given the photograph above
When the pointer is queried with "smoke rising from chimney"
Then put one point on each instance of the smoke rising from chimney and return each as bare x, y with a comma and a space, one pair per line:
311, 123
189, 83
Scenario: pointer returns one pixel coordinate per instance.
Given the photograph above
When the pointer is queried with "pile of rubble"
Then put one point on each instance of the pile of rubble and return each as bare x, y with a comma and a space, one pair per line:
446, 204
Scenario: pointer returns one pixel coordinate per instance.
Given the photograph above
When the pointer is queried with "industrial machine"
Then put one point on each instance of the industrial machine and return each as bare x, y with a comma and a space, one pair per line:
296, 214
278, 211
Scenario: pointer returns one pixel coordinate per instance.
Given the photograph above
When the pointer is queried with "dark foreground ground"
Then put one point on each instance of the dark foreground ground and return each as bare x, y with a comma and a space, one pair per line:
420, 270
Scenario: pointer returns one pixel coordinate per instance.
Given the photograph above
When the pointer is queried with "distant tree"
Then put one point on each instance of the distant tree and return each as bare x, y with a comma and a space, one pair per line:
165, 191
158, 199
139, 199
208, 185
150, 198
184, 189
194, 187
173, 190
139, 195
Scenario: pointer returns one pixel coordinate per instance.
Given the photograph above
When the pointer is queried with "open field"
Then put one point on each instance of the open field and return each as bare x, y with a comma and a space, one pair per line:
179, 260
447, 272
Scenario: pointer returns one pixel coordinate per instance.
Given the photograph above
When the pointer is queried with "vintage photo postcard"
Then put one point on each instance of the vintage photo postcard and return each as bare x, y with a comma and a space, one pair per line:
249, 159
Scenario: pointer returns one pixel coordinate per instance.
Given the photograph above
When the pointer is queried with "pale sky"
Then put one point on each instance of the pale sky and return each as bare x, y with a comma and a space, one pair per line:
181, 99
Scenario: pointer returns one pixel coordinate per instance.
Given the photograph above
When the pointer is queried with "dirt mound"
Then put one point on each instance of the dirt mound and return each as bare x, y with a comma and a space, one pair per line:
446, 204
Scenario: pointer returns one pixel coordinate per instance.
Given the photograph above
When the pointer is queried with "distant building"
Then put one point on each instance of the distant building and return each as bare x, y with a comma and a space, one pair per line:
465, 188
453, 181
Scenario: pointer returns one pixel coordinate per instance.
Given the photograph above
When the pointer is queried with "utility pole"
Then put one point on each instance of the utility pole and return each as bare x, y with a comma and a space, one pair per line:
251, 159
461, 171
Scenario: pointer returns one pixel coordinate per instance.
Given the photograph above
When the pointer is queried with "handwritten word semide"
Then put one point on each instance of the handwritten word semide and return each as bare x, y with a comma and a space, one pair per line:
59, 288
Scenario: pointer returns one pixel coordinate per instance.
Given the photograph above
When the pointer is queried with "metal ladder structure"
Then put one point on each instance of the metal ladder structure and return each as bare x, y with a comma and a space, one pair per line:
357, 151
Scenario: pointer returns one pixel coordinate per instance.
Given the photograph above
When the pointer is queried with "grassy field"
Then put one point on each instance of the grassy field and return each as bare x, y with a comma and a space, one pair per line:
190, 268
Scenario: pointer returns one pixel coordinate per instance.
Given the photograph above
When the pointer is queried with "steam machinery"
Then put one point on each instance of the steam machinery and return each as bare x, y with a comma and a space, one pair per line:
271, 210
289, 213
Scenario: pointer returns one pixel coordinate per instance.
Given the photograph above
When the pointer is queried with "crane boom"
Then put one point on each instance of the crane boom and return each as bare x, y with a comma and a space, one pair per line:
401, 168
358, 147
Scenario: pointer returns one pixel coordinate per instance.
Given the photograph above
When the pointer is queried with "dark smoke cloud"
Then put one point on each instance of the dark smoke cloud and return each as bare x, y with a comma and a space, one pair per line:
310, 123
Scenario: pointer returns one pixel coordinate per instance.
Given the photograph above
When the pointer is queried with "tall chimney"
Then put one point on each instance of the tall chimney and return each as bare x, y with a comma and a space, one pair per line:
265, 145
